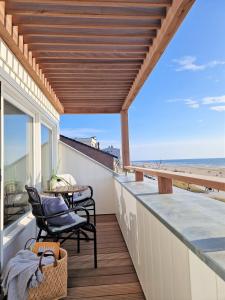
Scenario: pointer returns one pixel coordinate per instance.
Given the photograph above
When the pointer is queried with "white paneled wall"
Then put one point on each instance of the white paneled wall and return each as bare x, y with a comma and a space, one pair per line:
166, 268
86, 171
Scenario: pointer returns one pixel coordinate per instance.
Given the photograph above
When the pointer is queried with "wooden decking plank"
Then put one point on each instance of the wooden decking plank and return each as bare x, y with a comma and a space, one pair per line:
138, 296
102, 280
105, 290
115, 277
77, 273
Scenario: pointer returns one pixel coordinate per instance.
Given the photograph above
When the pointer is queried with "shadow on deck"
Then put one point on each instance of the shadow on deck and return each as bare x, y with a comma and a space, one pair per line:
115, 277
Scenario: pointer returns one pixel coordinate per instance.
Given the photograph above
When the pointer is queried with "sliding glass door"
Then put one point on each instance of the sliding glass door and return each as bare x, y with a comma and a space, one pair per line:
46, 156
18, 161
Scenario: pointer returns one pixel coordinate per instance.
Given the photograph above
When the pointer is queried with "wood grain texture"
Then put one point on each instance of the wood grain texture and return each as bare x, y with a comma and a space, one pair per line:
125, 138
100, 37
115, 277
217, 183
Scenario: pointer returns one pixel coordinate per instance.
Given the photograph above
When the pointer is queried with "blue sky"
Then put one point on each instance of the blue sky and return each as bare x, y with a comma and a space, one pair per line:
180, 110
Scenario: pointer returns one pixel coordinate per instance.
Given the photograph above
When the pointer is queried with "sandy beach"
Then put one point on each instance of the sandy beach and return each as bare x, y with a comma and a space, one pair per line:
201, 170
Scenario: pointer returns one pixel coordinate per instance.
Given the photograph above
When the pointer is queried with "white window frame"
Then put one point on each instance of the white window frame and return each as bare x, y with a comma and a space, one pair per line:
47, 124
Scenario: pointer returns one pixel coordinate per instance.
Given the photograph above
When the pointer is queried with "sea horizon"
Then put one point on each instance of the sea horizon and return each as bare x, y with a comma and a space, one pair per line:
204, 162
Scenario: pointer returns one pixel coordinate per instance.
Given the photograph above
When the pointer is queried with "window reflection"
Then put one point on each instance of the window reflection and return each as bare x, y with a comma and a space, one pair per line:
18, 161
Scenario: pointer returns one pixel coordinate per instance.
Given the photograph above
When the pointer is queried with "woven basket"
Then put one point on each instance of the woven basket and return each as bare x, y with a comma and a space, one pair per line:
54, 285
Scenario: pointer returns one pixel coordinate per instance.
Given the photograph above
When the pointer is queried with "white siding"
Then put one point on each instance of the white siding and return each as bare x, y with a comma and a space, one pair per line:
166, 268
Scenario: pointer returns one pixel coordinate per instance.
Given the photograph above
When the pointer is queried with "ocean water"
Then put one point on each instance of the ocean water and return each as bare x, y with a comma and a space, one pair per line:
201, 162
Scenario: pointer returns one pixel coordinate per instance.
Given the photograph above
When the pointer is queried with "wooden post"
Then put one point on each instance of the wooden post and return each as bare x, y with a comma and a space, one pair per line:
139, 176
165, 185
125, 138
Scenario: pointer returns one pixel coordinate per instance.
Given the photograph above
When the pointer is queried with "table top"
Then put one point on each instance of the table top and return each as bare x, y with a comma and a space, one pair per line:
67, 189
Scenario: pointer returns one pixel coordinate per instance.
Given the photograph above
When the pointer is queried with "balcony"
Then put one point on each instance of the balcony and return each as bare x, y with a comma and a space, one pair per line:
154, 241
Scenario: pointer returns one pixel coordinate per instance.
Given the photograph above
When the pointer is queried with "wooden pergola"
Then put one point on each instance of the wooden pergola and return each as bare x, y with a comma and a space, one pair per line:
91, 56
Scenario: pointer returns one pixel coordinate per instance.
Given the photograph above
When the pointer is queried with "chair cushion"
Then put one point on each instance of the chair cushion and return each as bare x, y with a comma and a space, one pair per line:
81, 195
54, 205
79, 220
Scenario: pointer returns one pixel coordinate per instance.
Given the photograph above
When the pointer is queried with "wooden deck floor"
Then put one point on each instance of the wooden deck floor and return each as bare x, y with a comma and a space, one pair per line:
115, 277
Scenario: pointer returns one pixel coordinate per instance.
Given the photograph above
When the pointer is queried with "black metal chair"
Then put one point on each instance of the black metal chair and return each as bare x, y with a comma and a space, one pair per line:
84, 199
65, 232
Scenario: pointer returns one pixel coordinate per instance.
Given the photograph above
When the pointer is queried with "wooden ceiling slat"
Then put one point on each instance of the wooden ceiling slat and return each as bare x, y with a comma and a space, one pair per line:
27, 4
71, 31
93, 110
153, 25
102, 40
62, 10
89, 55
91, 66
82, 47
84, 77
85, 21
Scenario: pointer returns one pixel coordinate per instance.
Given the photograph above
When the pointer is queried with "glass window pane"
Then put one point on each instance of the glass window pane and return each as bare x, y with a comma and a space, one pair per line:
18, 161
46, 156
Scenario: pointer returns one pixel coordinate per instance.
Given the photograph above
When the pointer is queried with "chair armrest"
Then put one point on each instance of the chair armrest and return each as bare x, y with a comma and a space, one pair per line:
91, 190
80, 208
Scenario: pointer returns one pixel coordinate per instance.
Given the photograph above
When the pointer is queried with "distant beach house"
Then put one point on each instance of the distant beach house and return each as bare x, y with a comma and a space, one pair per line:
112, 150
90, 141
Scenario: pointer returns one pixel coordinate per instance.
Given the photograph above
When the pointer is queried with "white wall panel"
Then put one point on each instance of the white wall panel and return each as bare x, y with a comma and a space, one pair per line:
203, 280
166, 268
88, 172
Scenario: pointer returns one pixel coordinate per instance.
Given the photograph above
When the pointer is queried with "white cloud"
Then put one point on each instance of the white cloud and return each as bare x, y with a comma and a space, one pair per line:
188, 63
191, 103
209, 100
218, 108
214, 100
174, 100
80, 132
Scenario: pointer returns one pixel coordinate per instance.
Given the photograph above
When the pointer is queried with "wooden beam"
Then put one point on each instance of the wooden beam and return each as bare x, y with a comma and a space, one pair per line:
80, 13
71, 3
15, 34
74, 31
175, 16
217, 183
125, 138
6, 35
165, 185
143, 22
139, 176
93, 110
154, 24
8, 23
2, 12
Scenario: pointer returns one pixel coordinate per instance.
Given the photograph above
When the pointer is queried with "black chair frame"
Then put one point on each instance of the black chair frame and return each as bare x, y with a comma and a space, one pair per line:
71, 233
88, 203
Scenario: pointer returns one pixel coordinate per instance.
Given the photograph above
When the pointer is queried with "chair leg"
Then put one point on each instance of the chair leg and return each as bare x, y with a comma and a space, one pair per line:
95, 248
78, 241
39, 235
94, 216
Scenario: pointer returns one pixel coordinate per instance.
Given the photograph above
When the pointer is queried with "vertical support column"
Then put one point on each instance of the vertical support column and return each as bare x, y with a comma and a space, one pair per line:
125, 138
165, 185
139, 176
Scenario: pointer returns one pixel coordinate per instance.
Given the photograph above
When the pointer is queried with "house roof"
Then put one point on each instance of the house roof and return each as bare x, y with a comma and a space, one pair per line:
104, 158
95, 55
